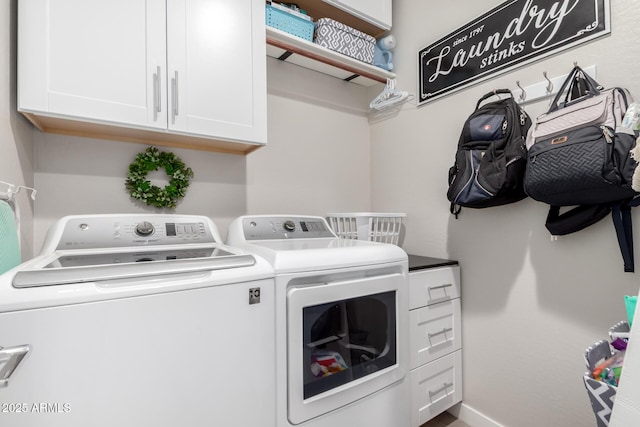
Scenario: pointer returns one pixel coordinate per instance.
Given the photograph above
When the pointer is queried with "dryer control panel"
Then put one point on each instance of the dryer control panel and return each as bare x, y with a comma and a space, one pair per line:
285, 227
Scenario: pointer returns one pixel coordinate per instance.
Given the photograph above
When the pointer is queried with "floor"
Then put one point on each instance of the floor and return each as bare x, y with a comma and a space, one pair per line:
445, 420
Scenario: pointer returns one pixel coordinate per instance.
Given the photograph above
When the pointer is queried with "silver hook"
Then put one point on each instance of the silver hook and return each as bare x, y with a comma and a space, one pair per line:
523, 94
11, 192
550, 84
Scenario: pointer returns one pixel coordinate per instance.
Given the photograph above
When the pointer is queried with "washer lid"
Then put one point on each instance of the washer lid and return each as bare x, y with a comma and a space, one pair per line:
83, 259
63, 268
97, 248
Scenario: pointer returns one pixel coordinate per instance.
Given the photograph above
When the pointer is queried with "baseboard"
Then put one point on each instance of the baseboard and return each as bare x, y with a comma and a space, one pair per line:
470, 416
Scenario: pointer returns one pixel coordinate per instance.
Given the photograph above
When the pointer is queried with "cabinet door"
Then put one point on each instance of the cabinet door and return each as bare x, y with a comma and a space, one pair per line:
217, 68
377, 12
96, 60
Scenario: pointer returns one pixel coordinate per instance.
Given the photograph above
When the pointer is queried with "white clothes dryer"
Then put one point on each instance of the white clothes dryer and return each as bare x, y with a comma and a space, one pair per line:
137, 320
341, 323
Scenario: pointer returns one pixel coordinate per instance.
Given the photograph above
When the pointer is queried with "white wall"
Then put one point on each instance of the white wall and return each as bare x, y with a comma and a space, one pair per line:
530, 306
317, 161
16, 145
83, 176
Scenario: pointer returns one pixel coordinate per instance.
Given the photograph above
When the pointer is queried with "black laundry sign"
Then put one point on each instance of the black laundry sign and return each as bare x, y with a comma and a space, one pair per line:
510, 35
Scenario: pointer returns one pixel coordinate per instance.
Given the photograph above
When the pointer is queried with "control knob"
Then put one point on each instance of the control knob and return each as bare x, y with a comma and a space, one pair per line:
144, 229
289, 226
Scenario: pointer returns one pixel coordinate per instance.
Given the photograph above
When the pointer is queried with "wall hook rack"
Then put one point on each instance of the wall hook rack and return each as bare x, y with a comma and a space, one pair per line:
12, 190
523, 93
544, 89
549, 83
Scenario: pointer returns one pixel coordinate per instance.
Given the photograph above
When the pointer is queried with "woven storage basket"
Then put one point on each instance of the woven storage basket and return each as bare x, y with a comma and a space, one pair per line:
289, 23
341, 38
602, 395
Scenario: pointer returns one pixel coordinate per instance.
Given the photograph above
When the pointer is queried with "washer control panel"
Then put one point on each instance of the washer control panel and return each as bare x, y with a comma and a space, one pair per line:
124, 231
285, 227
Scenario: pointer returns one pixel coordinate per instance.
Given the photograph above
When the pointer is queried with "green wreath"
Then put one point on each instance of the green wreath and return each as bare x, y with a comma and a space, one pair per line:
152, 160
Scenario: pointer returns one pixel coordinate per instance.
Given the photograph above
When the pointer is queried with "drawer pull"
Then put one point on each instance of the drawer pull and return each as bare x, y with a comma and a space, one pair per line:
443, 331
435, 288
444, 388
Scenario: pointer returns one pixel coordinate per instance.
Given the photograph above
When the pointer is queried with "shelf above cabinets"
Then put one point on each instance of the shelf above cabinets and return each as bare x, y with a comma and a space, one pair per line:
371, 17
306, 54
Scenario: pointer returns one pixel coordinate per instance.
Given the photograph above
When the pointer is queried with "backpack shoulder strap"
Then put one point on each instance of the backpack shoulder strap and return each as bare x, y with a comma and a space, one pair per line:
455, 209
581, 217
623, 223
574, 219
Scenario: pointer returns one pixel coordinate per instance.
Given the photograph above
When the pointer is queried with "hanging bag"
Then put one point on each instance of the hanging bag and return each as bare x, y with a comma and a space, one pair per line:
491, 157
577, 155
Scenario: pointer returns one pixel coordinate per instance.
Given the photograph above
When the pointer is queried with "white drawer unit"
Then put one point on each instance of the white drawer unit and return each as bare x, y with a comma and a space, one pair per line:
433, 285
434, 332
435, 387
434, 337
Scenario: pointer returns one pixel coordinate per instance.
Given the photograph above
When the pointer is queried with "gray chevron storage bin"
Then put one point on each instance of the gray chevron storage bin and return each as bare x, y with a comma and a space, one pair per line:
602, 394
341, 38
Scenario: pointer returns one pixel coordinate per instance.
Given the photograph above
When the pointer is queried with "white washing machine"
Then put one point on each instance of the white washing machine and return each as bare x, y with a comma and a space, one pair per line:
341, 323
137, 320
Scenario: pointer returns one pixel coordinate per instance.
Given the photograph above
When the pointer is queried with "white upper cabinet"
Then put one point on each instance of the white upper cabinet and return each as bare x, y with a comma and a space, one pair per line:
90, 59
376, 12
217, 83
193, 70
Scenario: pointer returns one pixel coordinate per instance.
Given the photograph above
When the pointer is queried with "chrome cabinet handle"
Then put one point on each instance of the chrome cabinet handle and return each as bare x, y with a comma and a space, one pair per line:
10, 358
443, 331
434, 288
444, 387
174, 90
158, 90
157, 94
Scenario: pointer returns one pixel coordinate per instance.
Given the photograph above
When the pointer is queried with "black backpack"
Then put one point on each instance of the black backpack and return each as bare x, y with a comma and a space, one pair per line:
491, 157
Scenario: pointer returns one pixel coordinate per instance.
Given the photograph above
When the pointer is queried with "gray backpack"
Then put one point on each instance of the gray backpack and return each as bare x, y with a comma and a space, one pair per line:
579, 156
